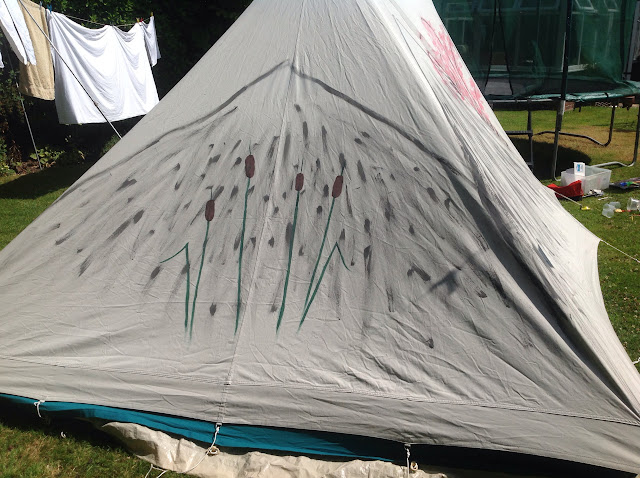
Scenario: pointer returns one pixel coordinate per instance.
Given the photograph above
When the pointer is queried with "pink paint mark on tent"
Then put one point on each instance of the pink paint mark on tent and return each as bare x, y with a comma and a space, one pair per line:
445, 57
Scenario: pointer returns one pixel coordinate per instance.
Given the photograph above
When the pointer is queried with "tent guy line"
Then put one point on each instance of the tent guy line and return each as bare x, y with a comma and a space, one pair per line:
604, 242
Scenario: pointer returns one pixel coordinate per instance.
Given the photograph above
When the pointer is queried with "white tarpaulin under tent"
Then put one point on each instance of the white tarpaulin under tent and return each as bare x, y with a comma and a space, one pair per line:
322, 240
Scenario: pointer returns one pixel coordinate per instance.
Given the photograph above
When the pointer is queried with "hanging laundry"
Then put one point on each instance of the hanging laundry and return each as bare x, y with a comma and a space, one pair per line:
37, 80
151, 40
109, 63
15, 29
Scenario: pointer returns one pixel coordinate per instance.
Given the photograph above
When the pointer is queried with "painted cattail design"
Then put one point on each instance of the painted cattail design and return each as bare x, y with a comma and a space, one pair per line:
299, 183
250, 166
311, 291
249, 170
337, 187
209, 213
210, 210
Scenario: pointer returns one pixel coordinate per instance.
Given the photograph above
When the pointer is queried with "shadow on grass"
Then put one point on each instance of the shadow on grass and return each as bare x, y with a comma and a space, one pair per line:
543, 156
34, 185
25, 419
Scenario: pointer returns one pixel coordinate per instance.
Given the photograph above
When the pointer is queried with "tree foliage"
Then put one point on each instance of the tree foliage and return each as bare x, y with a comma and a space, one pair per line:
185, 32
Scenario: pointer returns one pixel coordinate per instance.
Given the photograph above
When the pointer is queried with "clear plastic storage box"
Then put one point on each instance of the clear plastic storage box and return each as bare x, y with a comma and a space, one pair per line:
595, 178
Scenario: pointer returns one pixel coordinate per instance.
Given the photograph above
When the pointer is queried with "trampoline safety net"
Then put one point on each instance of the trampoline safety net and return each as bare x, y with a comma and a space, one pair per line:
514, 48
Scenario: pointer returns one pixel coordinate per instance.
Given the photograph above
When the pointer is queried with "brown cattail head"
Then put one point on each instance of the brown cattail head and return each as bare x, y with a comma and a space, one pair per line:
250, 166
337, 187
299, 181
210, 210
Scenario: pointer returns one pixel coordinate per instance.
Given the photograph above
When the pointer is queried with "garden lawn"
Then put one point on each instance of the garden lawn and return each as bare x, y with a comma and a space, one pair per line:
31, 447
23, 198
619, 275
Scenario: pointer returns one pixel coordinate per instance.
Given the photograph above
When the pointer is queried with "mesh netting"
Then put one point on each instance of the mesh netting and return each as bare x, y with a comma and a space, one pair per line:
514, 48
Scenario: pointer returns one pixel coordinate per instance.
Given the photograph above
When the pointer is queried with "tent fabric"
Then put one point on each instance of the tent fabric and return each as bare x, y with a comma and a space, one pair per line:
151, 40
111, 64
37, 80
416, 284
229, 436
180, 455
15, 30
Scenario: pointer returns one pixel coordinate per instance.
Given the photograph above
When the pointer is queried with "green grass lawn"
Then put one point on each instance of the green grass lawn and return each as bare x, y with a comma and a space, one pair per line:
32, 447
23, 198
619, 275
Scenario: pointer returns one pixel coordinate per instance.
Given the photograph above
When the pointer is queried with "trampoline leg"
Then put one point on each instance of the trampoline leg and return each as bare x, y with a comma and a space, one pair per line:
635, 148
530, 134
613, 118
559, 116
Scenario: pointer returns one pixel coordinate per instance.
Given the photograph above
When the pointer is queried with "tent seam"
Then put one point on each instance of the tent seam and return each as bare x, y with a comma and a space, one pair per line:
226, 385
227, 382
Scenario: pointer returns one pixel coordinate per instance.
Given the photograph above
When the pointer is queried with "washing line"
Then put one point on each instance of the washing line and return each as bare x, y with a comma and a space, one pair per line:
103, 24
72, 72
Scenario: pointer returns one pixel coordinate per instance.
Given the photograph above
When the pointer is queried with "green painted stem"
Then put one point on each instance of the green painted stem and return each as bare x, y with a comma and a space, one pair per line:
195, 293
324, 269
183, 248
244, 224
186, 301
286, 280
315, 269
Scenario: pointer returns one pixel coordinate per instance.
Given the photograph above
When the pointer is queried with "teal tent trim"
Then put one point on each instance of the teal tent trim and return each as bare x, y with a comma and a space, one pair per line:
232, 436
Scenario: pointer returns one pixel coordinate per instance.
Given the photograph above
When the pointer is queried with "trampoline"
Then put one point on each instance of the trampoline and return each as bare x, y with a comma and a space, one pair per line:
541, 54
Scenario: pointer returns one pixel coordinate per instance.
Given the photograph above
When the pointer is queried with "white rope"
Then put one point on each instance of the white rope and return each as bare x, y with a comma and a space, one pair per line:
407, 448
621, 252
37, 404
70, 70
211, 451
603, 241
155, 468
568, 198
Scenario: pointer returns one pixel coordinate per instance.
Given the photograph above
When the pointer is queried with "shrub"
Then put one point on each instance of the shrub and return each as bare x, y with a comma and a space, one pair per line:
5, 170
109, 144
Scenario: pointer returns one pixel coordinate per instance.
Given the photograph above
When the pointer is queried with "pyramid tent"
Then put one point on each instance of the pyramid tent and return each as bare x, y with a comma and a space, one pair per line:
322, 229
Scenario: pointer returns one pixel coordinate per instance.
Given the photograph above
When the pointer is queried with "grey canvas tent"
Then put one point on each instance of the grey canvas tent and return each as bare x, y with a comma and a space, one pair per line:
321, 238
